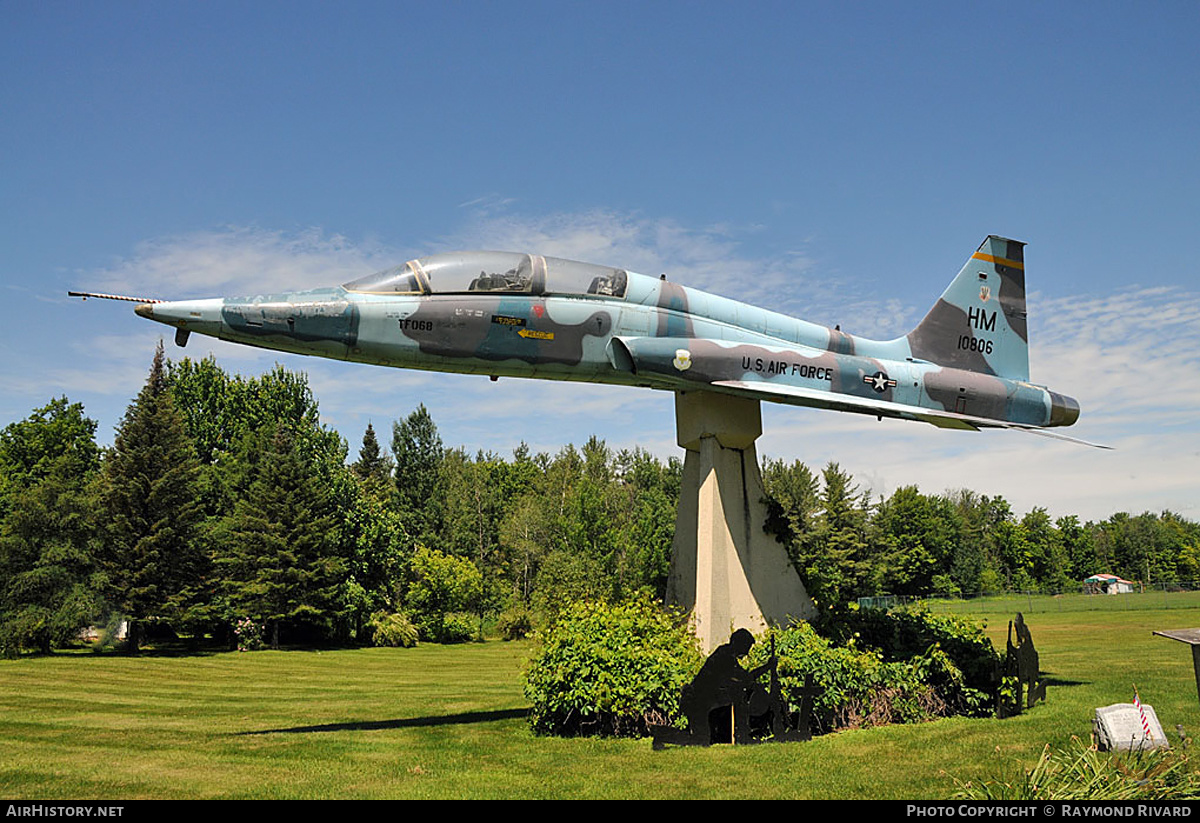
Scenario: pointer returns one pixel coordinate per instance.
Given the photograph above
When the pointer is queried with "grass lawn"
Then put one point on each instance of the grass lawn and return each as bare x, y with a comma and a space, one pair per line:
445, 722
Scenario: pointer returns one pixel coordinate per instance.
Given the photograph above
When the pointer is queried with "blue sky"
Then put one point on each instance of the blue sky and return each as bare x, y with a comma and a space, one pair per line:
835, 161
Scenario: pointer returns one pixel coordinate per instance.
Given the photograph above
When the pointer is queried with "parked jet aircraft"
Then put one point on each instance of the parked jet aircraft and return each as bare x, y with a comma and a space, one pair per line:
965, 366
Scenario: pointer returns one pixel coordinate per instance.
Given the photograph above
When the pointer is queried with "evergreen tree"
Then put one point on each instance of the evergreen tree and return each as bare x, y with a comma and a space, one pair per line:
374, 466
841, 540
277, 552
375, 542
793, 498
417, 450
825, 526
149, 512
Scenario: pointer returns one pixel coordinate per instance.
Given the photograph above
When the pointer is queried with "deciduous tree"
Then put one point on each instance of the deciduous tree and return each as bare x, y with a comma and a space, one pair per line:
49, 584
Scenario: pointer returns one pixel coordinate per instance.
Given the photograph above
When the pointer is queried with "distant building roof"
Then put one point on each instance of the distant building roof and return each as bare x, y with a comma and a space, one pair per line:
1107, 578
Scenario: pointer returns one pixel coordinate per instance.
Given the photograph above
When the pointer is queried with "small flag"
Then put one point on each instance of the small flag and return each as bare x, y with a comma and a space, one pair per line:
1145, 723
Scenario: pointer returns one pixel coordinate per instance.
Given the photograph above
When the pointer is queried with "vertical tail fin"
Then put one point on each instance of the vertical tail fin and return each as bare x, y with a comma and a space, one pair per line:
978, 324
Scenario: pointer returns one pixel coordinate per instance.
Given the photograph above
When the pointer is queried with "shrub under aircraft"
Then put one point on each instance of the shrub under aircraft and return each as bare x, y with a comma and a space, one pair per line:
965, 365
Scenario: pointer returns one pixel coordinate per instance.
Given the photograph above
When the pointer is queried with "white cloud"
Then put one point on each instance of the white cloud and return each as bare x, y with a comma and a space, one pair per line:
1131, 355
240, 260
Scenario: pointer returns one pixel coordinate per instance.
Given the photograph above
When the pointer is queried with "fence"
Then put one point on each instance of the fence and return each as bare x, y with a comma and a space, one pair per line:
1150, 596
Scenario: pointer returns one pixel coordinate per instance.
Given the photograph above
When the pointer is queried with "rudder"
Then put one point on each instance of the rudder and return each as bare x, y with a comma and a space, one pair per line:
978, 323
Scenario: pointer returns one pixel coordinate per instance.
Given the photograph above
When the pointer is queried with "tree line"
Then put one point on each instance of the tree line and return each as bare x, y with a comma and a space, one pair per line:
960, 542
225, 503
224, 499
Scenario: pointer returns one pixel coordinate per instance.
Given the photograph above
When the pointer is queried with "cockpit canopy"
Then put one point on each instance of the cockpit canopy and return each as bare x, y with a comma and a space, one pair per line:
493, 271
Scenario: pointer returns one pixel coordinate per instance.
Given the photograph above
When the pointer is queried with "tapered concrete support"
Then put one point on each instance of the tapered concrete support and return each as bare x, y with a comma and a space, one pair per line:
725, 569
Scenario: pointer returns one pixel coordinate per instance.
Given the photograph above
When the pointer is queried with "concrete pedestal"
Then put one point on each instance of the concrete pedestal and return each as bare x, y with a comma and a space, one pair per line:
725, 569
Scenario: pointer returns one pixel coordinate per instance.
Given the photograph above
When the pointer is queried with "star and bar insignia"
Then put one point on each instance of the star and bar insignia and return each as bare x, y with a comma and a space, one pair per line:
879, 381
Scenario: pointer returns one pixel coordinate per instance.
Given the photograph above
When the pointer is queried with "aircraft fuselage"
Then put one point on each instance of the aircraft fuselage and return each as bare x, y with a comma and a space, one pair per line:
965, 366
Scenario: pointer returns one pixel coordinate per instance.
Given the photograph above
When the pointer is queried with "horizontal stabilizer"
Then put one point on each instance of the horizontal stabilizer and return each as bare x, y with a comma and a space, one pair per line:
800, 396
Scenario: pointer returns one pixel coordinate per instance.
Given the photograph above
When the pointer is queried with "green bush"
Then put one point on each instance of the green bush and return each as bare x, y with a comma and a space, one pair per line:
856, 687
394, 630
944, 586
458, 628
514, 623
610, 669
615, 669
442, 584
959, 660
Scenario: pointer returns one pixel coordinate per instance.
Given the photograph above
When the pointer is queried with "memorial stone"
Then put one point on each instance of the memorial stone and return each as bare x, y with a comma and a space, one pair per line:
1119, 728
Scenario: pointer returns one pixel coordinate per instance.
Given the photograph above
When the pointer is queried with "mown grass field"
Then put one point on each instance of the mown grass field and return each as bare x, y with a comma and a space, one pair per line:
445, 722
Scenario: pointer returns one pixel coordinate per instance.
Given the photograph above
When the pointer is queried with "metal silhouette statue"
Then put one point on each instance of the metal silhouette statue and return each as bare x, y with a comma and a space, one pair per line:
725, 703
1022, 666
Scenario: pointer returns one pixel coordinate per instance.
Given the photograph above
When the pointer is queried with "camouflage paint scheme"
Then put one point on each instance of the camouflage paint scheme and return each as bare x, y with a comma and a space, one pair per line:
965, 366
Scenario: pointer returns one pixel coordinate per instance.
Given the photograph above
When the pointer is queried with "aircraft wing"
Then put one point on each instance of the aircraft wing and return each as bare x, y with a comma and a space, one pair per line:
798, 395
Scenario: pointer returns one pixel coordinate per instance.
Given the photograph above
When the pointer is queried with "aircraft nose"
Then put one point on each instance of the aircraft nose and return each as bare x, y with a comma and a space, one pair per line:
202, 316
1064, 411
